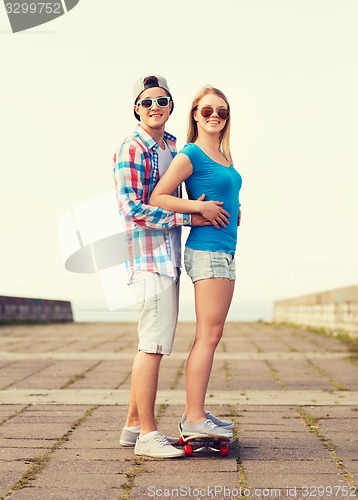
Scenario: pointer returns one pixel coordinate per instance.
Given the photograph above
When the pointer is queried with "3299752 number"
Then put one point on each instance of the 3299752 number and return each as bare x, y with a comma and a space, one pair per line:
33, 8
329, 491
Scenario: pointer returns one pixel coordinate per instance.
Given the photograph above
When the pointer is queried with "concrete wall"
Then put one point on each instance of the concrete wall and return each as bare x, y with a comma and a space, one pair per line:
334, 309
34, 310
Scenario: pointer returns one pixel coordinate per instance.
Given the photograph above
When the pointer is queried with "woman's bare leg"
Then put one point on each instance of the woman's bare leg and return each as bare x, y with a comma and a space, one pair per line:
212, 301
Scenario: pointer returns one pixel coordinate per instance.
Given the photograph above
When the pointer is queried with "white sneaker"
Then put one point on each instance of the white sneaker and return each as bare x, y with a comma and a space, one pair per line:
128, 438
228, 424
157, 446
206, 427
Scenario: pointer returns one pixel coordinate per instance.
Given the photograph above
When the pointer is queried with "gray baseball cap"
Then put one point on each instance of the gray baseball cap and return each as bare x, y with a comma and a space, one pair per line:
149, 82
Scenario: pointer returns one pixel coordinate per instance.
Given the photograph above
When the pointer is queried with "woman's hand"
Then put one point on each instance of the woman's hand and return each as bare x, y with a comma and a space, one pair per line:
213, 212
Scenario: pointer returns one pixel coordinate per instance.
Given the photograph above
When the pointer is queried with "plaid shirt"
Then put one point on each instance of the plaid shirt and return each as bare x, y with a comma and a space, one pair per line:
136, 172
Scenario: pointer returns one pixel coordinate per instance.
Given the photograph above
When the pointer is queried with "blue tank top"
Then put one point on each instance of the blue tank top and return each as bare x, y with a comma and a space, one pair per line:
219, 183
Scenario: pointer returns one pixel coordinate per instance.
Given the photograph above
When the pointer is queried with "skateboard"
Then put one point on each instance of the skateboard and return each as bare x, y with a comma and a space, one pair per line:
205, 443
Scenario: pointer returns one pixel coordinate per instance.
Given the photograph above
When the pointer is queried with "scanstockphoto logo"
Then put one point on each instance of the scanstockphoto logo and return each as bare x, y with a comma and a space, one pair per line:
24, 15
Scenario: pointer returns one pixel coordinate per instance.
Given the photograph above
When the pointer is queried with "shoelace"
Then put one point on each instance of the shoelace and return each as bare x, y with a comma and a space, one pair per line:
210, 424
208, 414
162, 440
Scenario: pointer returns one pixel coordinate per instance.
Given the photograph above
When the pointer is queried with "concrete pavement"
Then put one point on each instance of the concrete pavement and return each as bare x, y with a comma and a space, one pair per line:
292, 393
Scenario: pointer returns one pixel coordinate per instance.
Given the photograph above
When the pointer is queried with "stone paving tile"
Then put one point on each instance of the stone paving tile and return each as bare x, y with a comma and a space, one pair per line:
56, 375
25, 346
334, 412
50, 409
78, 466
238, 345
22, 454
323, 342
106, 375
7, 411
343, 372
21, 370
27, 443
191, 479
266, 453
65, 493
15, 430
79, 480
10, 473
347, 425
94, 443
3, 363
38, 417
251, 374
283, 474
352, 467
96, 454
184, 466
300, 374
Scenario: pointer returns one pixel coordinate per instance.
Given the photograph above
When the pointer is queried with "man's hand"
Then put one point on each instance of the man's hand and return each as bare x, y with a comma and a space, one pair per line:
199, 220
239, 218
213, 212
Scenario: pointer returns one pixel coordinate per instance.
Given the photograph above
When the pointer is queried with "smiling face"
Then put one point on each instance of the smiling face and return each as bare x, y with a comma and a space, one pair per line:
213, 123
155, 117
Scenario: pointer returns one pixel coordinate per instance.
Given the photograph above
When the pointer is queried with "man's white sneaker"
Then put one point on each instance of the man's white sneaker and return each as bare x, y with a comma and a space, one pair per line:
128, 438
157, 446
206, 427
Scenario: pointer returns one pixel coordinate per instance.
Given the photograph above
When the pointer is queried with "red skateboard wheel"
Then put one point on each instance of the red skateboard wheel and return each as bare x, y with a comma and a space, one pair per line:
188, 450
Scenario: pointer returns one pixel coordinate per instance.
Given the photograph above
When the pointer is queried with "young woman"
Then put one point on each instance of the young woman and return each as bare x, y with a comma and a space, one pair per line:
206, 166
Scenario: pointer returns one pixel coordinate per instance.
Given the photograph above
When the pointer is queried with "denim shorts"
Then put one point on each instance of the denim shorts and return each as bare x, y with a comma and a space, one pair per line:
158, 307
201, 265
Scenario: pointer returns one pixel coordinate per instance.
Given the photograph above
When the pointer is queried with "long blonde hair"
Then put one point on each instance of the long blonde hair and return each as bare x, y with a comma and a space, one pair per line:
192, 134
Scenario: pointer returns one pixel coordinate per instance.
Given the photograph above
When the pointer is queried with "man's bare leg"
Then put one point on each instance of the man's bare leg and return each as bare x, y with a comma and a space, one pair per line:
144, 386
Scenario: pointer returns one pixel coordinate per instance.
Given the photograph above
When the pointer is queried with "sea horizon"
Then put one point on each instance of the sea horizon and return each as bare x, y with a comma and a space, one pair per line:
241, 311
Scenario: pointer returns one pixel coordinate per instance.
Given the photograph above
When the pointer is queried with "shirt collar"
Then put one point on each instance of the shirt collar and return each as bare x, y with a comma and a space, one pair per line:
148, 139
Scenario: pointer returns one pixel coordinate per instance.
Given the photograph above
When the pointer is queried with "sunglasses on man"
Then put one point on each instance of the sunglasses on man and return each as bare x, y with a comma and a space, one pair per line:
147, 103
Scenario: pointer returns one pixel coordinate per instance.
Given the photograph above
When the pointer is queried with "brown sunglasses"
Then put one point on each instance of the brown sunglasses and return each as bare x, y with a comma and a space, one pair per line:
207, 111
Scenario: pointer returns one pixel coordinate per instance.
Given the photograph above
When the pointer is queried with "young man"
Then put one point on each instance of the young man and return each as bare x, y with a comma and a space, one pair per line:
153, 239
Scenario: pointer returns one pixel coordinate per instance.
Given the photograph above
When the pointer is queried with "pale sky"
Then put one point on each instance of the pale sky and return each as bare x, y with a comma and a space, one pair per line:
289, 70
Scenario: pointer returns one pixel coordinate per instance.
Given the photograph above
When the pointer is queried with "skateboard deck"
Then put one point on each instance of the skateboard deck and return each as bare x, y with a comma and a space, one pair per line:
204, 443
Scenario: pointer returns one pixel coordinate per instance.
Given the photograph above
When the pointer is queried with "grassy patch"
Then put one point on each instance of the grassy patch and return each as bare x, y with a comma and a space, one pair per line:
160, 412
79, 376
318, 369
345, 337
178, 376
138, 467
243, 484
39, 462
275, 374
18, 412
313, 423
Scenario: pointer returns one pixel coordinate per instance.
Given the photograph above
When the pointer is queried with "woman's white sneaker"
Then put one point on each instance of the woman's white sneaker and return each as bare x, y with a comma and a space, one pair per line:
206, 427
228, 424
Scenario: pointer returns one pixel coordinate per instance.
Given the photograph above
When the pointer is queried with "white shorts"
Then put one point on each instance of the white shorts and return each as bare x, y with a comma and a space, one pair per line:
158, 302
